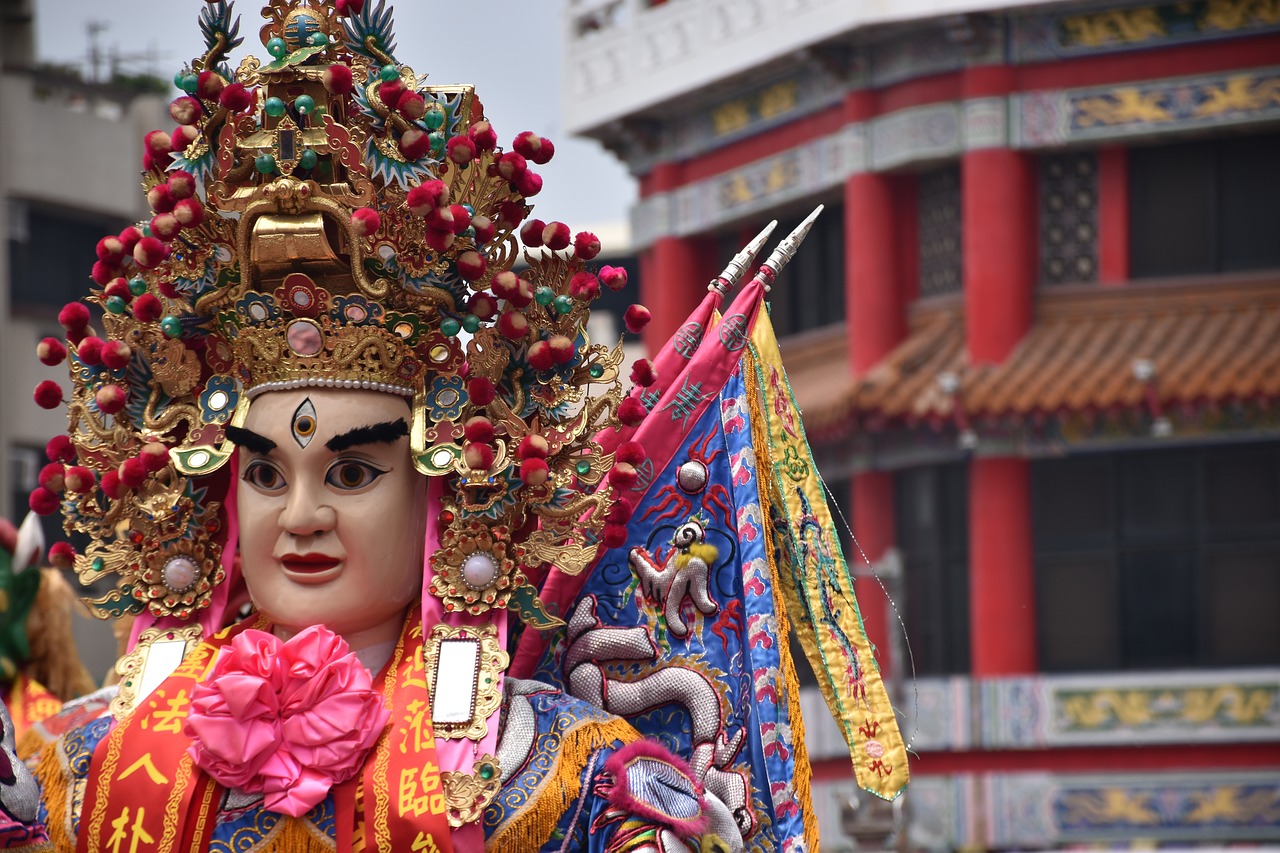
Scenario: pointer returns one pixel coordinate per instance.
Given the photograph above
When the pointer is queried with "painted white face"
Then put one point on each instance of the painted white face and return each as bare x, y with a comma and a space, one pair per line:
332, 511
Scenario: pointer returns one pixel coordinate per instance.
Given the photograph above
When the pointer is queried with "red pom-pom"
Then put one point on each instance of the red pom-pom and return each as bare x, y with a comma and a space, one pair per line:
349, 7
185, 110
74, 316
511, 287
89, 351
483, 226
534, 472
62, 555
481, 391
584, 286
48, 395
623, 476
110, 250
181, 185
511, 165
483, 135
556, 236
366, 221
132, 473
586, 245
158, 144
165, 226
478, 457
533, 147
513, 325
338, 80
426, 197
439, 239
533, 446
154, 456
614, 535
391, 92
111, 486
540, 357
150, 252
483, 305
43, 501
531, 233
642, 373
209, 85
479, 428
147, 308
129, 238
461, 218
103, 272
50, 351
631, 452
415, 144
189, 212
510, 215
471, 265
160, 199
632, 412
460, 150
79, 479
621, 511
636, 317
412, 106
528, 184
118, 287
236, 98
111, 399
116, 354
183, 136
441, 218
53, 476
614, 278
60, 449
562, 350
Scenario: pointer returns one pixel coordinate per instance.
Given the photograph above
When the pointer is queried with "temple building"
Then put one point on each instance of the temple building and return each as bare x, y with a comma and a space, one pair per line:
1036, 340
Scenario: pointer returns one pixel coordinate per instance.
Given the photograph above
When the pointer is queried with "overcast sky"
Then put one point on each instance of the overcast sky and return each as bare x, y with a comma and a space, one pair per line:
510, 49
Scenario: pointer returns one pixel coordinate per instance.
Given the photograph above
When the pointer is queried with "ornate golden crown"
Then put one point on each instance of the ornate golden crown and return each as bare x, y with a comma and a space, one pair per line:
328, 219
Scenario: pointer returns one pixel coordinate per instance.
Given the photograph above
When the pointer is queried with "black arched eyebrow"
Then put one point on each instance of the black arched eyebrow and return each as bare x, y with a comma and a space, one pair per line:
250, 440
384, 433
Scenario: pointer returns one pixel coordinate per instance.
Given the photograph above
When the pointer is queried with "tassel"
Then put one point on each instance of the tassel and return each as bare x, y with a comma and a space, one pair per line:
561, 787
55, 781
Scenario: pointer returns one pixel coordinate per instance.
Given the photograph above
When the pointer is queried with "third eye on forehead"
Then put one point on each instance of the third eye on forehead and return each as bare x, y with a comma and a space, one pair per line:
303, 425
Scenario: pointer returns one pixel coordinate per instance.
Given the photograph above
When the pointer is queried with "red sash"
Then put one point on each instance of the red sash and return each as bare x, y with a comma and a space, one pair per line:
144, 793
29, 702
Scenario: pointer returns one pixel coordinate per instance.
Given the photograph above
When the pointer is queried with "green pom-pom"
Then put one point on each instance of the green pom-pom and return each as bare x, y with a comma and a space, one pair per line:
308, 159
450, 327
265, 163
318, 39
434, 116
563, 303
544, 295
471, 323
277, 48
388, 73
137, 286
304, 104
190, 83
171, 326
115, 304
274, 107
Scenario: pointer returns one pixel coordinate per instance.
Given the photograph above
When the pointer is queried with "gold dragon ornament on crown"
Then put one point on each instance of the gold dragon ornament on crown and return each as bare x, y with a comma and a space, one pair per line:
327, 219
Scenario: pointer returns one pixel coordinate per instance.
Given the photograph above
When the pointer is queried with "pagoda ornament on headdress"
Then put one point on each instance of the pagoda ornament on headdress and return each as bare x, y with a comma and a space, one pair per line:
328, 219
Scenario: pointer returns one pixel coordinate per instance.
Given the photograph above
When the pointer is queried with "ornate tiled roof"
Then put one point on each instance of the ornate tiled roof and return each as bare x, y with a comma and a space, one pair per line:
1094, 349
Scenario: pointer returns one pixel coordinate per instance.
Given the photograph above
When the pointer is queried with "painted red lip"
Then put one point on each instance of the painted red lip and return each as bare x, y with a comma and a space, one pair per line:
308, 564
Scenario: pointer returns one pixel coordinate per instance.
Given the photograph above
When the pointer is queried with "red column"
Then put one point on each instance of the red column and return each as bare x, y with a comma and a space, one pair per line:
674, 271
873, 525
998, 210
1002, 589
1113, 216
876, 323
998, 186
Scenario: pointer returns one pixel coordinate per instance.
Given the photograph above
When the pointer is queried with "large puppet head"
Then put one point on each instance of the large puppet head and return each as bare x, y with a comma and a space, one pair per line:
326, 228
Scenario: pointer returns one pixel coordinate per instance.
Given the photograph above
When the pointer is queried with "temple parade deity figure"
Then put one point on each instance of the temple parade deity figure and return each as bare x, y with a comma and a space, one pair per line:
406, 567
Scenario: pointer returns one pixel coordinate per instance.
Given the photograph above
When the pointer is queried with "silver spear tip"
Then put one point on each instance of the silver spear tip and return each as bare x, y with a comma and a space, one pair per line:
786, 250
736, 267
